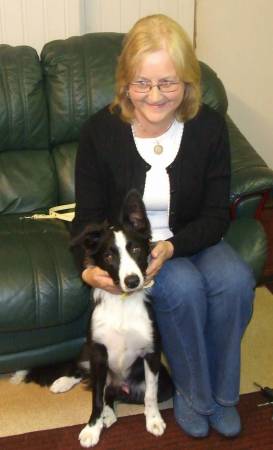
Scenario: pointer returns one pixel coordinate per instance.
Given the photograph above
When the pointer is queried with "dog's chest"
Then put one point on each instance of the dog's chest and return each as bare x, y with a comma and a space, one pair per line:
123, 326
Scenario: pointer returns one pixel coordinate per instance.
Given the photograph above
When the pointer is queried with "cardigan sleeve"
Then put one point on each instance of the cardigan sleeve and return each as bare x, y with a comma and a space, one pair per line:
212, 221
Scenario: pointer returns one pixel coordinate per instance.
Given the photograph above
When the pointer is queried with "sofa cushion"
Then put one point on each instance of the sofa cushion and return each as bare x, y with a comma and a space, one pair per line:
23, 111
79, 75
64, 156
27, 180
41, 287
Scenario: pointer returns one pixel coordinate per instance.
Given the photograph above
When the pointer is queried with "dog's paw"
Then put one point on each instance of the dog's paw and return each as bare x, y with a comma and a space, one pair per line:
18, 376
108, 416
90, 434
63, 384
155, 424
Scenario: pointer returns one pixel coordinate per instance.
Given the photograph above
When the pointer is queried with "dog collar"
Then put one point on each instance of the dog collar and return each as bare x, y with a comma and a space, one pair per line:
124, 295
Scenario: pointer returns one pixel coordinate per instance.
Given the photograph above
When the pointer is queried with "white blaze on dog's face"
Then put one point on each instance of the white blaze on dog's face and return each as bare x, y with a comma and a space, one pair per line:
129, 272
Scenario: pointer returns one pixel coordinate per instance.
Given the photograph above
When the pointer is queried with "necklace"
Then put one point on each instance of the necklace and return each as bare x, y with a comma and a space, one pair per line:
170, 141
158, 148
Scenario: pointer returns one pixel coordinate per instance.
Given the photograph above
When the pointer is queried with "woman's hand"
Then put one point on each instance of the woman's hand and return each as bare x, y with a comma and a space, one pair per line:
162, 251
98, 278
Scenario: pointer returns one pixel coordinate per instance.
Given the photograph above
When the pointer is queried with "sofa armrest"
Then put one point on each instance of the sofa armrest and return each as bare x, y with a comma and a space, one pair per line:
251, 178
248, 238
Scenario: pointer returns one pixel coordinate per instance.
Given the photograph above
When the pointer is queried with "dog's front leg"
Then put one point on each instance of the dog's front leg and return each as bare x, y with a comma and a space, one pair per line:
154, 422
90, 434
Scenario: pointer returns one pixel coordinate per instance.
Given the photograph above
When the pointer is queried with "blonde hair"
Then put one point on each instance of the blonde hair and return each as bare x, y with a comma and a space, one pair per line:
150, 34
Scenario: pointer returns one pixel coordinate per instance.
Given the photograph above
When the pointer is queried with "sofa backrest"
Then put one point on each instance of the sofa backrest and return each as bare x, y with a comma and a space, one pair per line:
27, 180
79, 77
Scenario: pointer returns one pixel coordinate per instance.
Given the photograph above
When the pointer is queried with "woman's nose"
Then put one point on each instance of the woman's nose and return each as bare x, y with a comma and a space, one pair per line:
155, 93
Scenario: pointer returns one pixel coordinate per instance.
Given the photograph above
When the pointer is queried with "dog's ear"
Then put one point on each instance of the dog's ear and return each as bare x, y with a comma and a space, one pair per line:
90, 237
134, 213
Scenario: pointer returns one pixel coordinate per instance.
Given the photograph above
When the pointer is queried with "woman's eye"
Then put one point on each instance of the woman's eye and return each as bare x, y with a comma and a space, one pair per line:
166, 83
142, 82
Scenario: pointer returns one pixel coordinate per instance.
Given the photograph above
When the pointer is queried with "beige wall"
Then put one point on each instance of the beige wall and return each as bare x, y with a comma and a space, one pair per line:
235, 37
120, 15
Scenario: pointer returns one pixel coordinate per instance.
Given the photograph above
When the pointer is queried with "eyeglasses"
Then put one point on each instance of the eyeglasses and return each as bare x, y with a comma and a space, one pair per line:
144, 86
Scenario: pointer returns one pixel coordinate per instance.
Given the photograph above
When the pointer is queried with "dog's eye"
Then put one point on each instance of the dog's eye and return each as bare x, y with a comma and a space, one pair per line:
135, 251
108, 257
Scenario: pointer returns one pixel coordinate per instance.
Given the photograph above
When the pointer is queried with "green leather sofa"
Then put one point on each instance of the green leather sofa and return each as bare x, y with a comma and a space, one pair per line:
44, 306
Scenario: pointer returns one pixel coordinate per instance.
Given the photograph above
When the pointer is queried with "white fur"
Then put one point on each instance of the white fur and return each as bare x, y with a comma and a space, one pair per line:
90, 434
18, 376
154, 422
124, 327
109, 417
64, 384
128, 265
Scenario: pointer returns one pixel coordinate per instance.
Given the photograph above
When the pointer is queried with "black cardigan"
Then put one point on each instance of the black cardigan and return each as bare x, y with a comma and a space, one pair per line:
108, 166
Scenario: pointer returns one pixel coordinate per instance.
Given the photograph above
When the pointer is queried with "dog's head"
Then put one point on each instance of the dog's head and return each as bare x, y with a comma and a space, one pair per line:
122, 250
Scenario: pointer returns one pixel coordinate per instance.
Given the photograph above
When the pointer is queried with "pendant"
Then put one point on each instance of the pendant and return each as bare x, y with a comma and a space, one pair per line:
158, 149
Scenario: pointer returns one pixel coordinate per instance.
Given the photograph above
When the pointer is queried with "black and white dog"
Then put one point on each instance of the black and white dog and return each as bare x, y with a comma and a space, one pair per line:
123, 342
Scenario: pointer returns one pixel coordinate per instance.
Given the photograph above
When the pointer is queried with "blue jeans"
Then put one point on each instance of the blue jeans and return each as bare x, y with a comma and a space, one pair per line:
203, 304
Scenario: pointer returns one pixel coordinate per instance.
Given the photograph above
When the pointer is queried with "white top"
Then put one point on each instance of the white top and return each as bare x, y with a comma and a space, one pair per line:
157, 186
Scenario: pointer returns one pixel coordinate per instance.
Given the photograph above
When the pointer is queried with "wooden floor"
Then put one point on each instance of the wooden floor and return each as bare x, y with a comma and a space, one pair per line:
130, 433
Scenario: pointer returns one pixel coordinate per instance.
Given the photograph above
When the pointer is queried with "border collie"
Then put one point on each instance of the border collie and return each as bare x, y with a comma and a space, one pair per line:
123, 343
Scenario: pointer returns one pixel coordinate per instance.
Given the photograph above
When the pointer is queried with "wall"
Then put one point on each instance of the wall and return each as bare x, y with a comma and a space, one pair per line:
35, 22
120, 15
235, 37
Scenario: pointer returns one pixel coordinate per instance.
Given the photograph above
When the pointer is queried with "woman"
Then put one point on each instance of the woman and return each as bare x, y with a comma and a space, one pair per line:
158, 138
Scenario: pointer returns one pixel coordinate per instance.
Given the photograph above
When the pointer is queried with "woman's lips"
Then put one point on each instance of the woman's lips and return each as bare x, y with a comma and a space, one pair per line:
156, 105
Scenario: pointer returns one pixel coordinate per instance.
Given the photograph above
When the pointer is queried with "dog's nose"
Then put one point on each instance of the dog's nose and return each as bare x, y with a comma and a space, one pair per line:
132, 281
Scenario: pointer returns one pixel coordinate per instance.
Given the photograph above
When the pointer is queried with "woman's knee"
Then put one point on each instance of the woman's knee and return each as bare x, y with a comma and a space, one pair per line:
243, 277
224, 270
235, 290
239, 281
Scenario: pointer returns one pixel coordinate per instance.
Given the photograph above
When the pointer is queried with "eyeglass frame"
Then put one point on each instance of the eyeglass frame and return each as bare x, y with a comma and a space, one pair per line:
150, 86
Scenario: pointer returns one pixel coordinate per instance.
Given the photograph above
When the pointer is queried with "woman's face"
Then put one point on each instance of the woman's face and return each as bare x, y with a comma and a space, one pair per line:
156, 107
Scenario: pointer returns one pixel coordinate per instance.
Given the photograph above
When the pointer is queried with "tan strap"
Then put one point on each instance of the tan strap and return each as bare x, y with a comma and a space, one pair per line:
57, 212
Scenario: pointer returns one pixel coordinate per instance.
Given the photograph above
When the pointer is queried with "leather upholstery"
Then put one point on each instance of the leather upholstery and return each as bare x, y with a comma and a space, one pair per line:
23, 113
44, 306
79, 75
38, 251
28, 181
64, 156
